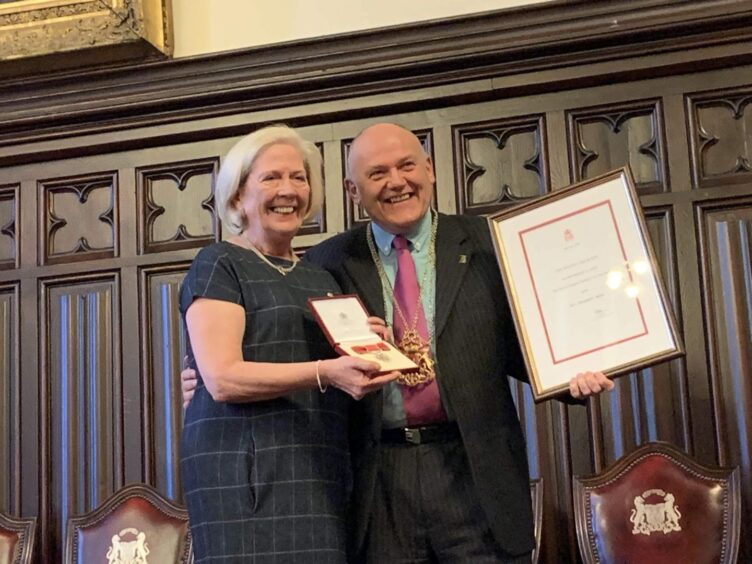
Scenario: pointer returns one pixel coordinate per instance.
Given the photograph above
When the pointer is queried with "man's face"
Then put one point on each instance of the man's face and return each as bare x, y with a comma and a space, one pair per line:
391, 176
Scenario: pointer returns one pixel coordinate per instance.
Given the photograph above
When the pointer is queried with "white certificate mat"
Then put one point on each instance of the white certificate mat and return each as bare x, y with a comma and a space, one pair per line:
344, 318
583, 283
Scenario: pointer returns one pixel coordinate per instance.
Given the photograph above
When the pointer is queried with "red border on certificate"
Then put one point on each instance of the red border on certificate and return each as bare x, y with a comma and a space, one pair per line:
523, 232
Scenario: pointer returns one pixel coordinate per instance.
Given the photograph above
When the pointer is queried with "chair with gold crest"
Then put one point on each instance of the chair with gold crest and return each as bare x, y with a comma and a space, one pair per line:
136, 524
16, 539
658, 505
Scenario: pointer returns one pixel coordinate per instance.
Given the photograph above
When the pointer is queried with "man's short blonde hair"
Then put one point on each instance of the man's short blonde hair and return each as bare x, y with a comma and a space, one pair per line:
240, 159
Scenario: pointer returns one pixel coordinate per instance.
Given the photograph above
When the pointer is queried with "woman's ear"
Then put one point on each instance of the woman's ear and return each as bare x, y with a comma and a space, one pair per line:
237, 207
235, 200
307, 169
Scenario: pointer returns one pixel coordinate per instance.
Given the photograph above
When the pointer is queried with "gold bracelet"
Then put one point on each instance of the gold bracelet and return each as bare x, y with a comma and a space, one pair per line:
322, 389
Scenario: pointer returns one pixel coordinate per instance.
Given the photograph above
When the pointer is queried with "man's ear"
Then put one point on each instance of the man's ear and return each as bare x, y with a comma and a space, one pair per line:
429, 167
352, 191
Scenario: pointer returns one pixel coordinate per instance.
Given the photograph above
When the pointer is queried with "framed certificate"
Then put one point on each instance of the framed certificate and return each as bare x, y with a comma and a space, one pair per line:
583, 283
345, 323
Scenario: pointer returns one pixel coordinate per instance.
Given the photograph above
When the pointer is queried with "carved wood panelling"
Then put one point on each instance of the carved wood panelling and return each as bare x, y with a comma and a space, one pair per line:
725, 239
609, 137
79, 218
355, 215
164, 339
524, 43
546, 429
726, 247
499, 163
720, 133
80, 336
168, 197
10, 401
651, 404
8, 230
317, 223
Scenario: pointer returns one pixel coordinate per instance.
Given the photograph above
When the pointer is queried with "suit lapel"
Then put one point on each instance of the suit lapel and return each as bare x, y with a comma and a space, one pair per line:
454, 252
453, 255
362, 271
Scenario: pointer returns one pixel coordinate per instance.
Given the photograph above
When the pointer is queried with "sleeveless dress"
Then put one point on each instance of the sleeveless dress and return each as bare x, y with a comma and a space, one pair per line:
265, 482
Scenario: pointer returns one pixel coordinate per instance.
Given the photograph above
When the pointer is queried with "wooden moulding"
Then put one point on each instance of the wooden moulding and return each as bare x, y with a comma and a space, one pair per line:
42, 35
540, 48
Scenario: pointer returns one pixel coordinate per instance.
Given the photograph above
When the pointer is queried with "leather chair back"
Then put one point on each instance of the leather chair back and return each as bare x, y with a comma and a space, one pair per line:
16, 539
136, 524
657, 505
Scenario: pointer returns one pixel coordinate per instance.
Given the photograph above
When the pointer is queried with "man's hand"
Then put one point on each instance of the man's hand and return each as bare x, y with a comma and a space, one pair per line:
379, 326
587, 384
188, 383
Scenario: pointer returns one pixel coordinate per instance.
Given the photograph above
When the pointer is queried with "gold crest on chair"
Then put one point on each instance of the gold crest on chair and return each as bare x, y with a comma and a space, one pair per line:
128, 547
660, 517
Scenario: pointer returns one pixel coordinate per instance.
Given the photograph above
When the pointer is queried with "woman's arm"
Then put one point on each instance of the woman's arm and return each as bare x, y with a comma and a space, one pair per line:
216, 329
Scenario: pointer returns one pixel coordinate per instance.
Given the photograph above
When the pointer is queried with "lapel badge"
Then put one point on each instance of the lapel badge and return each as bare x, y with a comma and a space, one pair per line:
463, 259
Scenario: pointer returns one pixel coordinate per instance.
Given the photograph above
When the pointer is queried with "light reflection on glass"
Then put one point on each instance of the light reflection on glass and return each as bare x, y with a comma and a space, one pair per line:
614, 279
641, 266
619, 277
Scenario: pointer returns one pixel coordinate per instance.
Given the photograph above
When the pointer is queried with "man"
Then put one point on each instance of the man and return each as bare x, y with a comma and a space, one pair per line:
439, 462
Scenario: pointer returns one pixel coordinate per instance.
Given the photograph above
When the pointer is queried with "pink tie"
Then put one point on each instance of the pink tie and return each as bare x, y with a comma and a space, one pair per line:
422, 403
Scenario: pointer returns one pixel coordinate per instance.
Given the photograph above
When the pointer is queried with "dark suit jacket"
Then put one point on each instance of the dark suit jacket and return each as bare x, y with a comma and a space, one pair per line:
476, 348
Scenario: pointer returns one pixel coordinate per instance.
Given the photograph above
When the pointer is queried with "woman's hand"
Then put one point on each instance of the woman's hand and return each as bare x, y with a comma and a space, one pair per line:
354, 376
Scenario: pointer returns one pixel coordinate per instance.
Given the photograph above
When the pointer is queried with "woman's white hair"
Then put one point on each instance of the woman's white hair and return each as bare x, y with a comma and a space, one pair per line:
239, 161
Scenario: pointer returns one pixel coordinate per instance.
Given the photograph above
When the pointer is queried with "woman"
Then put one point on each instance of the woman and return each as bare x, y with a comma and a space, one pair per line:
264, 457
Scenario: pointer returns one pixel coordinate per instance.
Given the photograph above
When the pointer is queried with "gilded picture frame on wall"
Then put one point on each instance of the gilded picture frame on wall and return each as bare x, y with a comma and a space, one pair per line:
43, 35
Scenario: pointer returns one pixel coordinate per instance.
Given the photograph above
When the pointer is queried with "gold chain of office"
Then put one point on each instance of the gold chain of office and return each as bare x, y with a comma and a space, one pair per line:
411, 343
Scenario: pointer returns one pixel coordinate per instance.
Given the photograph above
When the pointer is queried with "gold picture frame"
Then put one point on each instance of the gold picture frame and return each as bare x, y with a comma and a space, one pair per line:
43, 35
584, 284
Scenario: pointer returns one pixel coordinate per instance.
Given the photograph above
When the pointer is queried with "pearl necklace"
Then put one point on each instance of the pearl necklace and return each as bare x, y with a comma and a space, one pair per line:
283, 270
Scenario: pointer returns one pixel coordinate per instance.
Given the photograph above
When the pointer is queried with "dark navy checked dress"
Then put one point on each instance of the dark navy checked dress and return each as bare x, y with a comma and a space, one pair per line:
265, 482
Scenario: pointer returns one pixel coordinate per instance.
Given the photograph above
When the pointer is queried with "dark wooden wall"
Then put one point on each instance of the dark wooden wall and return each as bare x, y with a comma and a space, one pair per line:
106, 194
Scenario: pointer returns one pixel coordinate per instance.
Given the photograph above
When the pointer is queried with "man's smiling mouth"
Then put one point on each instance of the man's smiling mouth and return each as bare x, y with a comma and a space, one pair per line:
398, 199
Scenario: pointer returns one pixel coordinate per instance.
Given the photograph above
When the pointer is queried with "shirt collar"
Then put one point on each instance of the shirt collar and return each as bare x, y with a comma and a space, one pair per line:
418, 236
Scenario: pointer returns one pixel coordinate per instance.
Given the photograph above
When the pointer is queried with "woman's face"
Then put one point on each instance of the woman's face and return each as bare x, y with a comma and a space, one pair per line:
275, 195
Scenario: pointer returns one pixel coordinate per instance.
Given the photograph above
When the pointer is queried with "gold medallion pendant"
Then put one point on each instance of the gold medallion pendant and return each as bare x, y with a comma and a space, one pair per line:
417, 350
